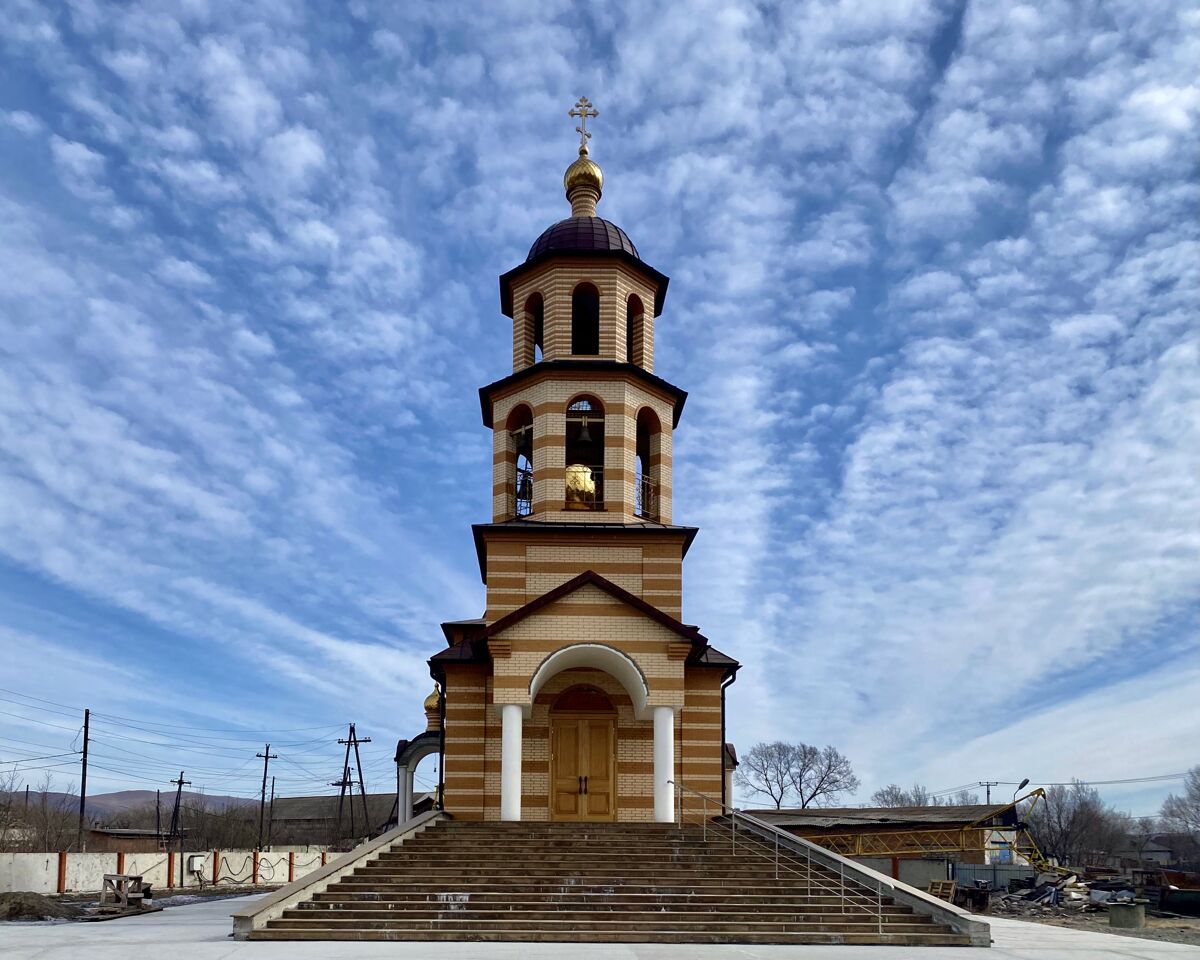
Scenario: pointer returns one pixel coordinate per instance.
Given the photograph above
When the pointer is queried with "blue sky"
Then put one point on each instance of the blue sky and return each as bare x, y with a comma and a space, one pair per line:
934, 294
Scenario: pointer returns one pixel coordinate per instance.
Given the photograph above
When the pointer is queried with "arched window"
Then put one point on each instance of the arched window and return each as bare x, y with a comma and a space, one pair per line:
585, 455
635, 331
585, 320
520, 461
535, 322
648, 464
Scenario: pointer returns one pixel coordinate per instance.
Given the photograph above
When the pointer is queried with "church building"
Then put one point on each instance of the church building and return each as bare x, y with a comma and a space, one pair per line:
580, 694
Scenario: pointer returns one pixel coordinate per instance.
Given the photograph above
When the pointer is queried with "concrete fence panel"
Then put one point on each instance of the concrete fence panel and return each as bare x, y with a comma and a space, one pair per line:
56, 872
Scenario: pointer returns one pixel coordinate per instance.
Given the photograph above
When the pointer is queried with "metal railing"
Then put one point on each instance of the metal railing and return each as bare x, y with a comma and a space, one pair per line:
785, 861
646, 491
522, 492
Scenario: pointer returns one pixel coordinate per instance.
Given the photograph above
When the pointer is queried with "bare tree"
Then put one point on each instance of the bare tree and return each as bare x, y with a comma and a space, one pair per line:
11, 809
781, 771
894, 795
821, 775
1076, 827
1182, 813
766, 770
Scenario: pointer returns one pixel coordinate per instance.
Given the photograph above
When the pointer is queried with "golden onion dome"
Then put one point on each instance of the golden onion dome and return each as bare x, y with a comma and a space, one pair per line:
431, 701
584, 172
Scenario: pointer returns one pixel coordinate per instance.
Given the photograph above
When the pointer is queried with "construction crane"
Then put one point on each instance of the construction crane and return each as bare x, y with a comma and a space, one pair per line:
1023, 844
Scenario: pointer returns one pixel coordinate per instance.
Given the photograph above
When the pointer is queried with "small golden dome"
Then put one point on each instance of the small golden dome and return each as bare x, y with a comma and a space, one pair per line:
431, 701
584, 172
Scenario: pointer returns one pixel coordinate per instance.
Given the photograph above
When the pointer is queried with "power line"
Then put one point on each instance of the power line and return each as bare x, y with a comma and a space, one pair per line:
1098, 783
74, 709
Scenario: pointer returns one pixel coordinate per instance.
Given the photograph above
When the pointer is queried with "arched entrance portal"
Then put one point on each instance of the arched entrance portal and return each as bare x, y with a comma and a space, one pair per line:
583, 755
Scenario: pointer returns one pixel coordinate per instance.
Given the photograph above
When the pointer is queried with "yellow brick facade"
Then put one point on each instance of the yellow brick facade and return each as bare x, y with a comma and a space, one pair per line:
547, 398
580, 594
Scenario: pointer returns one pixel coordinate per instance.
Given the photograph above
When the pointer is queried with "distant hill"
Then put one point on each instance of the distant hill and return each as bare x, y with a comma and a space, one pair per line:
104, 805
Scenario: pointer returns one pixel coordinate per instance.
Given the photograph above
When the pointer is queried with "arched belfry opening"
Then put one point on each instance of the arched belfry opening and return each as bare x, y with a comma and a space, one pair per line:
585, 320
648, 464
585, 454
535, 329
520, 461
635, 331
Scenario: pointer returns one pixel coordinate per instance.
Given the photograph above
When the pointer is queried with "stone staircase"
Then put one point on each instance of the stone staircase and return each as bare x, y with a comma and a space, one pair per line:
592, 882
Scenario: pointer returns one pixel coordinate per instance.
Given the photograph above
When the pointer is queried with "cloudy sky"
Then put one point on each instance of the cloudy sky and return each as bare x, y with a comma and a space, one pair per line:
934, 294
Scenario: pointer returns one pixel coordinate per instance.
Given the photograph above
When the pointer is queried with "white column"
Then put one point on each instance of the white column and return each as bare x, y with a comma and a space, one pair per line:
664, 764
403, 795
510, 762
407, 795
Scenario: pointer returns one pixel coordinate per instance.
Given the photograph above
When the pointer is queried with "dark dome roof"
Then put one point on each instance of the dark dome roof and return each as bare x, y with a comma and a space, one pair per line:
582, 233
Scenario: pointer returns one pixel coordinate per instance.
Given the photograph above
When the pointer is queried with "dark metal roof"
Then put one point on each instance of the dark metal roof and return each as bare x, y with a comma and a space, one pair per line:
590, 367
554, 529
873, 817
582, 233
712, 657
379, 808
466, 627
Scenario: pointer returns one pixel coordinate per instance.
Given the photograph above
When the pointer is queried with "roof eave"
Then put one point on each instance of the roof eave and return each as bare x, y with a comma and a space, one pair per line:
478, 530
542, 366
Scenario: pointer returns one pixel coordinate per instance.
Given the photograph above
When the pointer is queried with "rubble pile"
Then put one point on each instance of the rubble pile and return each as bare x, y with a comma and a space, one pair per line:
1052, 895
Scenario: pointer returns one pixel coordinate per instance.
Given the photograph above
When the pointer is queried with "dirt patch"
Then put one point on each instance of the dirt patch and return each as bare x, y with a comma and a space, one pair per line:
33, 906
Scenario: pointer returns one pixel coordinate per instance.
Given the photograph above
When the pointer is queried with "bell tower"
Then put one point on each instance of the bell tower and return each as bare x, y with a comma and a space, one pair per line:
580, 694
582, 427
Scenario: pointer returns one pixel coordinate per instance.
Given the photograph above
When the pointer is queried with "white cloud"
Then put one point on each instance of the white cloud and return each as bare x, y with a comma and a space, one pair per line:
243, 106
23, 122
182, 273
292, 159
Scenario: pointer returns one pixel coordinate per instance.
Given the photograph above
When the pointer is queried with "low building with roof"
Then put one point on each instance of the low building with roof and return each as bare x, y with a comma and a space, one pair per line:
966, 833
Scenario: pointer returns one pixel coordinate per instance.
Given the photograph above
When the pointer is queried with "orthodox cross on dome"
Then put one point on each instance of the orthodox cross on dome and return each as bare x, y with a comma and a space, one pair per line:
583, 110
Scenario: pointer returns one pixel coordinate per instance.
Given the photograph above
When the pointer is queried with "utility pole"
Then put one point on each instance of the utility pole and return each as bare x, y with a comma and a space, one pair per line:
271, 813
267, 756
87, 716
989, 784
176, 827
344, 782
179, 785
362, 790
158, 816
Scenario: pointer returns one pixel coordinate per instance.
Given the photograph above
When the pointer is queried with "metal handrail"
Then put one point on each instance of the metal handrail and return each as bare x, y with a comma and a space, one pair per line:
862, 899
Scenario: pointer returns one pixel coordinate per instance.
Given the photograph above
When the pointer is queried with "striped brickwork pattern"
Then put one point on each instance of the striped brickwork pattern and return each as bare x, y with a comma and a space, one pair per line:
470, 724
556, 281
520, 571
699, 752
547, 398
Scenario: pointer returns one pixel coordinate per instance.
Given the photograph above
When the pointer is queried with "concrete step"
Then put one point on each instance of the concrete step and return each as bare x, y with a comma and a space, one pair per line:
490, 894
736, 924
522, 912
691, 886
615, 935
487, 893
603, 883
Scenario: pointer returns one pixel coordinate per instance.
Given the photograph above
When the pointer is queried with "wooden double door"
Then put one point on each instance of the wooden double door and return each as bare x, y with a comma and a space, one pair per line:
583, 767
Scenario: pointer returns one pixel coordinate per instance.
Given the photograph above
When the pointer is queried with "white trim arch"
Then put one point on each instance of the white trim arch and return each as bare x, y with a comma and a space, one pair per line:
595, 656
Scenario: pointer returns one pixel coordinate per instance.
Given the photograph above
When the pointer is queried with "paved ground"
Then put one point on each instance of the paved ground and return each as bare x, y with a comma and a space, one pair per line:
200, 931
